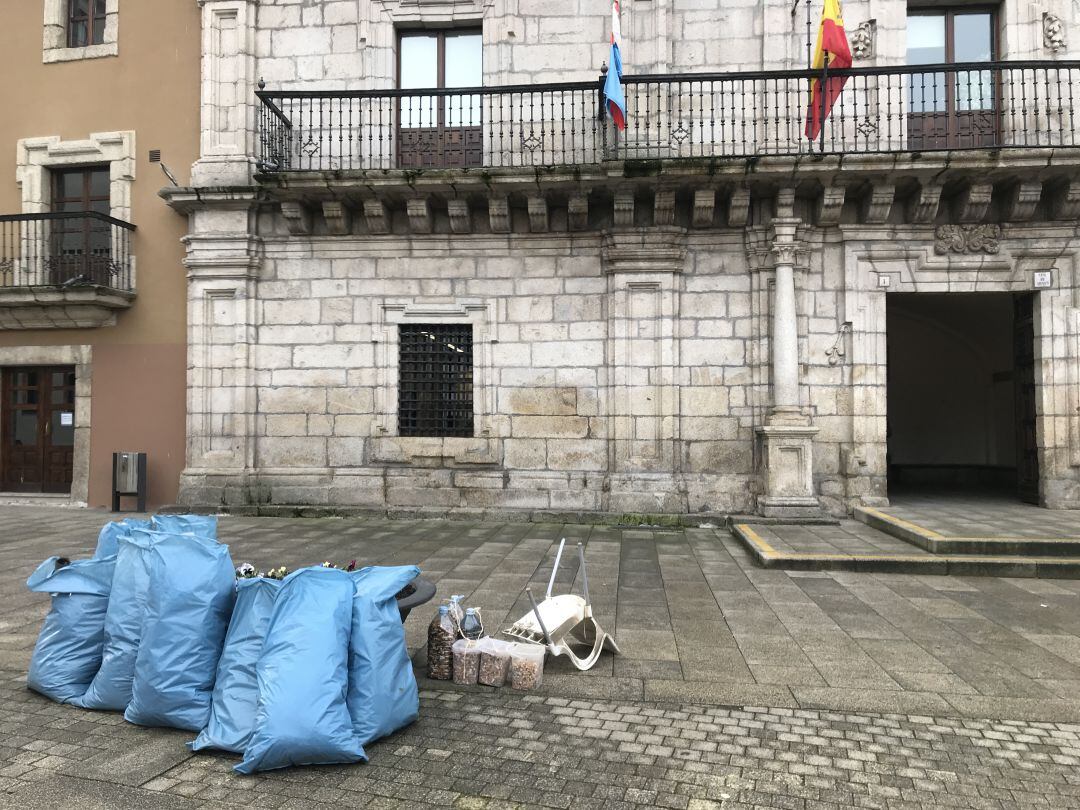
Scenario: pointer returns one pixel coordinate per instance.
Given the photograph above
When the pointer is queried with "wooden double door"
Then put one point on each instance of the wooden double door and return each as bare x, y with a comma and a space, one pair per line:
37, 438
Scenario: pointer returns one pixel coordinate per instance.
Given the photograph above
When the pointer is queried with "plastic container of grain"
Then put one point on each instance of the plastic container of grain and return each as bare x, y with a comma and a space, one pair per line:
466, 661
494, 661
527, 666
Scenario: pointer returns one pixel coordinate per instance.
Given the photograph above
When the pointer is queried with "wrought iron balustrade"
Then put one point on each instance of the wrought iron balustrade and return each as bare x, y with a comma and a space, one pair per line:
976, 105
71, 249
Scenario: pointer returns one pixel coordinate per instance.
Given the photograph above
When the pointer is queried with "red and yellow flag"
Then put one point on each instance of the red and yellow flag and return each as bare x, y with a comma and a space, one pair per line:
832, 41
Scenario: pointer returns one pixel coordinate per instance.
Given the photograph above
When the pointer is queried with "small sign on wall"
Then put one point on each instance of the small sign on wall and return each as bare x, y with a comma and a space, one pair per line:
1043, 279
67, 419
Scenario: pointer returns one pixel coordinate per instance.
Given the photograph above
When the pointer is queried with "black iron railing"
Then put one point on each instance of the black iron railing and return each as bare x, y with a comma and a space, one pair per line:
72, 249
983, 105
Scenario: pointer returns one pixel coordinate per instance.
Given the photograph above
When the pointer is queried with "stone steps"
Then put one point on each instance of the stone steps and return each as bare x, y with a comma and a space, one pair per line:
871, 560
937, 543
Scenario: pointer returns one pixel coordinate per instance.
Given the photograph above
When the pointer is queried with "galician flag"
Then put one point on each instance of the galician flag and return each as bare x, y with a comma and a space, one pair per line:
832, 43
613, 91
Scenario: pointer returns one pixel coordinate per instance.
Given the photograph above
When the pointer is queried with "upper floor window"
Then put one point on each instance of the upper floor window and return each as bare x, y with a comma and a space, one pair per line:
85, 23
957, 108
440, 131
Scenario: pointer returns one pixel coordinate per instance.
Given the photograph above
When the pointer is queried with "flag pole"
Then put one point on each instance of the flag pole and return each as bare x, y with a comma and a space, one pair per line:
822, 91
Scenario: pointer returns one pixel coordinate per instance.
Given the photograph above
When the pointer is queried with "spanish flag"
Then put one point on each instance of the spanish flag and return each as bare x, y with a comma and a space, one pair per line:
831, 40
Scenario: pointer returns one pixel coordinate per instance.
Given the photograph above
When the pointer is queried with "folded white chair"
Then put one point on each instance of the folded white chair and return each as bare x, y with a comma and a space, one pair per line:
565, 622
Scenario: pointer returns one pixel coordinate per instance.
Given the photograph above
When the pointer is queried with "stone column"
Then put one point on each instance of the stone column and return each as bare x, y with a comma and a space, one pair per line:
787, 436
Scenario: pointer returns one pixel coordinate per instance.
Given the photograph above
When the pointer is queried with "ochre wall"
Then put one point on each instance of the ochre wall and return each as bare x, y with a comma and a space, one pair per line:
152, 88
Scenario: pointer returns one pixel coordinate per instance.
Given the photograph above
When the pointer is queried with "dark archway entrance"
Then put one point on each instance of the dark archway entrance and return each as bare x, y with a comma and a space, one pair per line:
961, 394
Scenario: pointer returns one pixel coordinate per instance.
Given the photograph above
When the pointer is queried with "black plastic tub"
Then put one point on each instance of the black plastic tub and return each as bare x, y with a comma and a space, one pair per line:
422, 591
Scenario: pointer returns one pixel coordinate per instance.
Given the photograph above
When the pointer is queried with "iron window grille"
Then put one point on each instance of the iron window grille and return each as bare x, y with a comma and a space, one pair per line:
435, 380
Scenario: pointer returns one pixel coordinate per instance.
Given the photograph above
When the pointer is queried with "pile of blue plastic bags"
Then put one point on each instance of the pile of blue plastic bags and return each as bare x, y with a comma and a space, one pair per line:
301, 671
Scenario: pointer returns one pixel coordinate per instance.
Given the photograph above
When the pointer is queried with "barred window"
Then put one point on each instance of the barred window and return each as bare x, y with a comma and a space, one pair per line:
435, 380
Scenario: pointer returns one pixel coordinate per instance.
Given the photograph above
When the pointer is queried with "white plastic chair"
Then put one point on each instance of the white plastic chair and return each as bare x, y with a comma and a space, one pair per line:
564, 622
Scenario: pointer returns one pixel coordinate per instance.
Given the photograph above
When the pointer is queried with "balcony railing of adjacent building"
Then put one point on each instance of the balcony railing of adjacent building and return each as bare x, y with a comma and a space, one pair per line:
72, 249
982, 105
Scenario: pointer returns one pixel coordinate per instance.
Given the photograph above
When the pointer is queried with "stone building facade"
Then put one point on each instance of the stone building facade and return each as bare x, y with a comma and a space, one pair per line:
704, 314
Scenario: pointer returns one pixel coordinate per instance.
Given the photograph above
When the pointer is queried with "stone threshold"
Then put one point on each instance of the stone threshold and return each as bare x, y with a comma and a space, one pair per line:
939, 564
586, 686
60, 499
937, 543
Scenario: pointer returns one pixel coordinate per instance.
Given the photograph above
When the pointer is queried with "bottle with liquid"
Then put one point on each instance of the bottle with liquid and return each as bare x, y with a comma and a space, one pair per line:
471, 626
442, 632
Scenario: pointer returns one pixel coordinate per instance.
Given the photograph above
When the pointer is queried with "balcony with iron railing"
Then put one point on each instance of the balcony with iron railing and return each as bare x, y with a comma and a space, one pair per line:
709, 117
64, 270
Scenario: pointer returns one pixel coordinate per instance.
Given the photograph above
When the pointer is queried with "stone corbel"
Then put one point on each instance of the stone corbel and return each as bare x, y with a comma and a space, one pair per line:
338, 220
739, 208
974, 202
923, 207
419, 211
538, 215
1022, 201
458, 211
577, 212
664, 208
704, 207
378, 218
297, 217
830, 206
624, 209
878, 204
499, 214
785, 203
1065, 200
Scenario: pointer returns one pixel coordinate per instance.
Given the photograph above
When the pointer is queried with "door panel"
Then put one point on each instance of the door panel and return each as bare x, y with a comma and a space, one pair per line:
1027, 447
37, 429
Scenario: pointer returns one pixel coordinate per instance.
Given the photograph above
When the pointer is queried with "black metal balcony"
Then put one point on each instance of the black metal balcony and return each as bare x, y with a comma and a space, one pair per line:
970, 106
67, 250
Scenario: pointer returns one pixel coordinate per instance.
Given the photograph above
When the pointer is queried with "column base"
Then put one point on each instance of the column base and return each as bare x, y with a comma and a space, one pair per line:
789, 471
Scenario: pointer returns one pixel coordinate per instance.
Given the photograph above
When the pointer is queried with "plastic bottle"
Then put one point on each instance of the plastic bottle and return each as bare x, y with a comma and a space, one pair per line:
442, 633
471, 626
457, 612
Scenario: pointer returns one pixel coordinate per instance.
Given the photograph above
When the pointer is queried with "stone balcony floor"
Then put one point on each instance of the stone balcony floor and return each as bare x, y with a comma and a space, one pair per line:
855, 687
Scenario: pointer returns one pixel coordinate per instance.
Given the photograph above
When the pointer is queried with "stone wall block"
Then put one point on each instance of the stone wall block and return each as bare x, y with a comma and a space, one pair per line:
570, 427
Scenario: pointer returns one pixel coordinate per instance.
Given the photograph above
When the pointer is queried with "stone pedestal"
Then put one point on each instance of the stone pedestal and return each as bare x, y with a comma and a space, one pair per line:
787, 450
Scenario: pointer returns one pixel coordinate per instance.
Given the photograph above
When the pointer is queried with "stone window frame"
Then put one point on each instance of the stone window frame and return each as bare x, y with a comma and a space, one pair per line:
388, 314
80, 357
37, 156
55, 39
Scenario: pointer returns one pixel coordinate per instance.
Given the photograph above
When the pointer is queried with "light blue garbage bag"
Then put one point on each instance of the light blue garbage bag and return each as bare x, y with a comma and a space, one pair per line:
302, 717
192, 587
382, 687
108, 544
236, 690
111, 687
202, 525
68, 650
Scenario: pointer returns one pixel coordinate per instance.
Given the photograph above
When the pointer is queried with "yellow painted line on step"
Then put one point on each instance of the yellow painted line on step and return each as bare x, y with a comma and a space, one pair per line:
904, 523
757, 540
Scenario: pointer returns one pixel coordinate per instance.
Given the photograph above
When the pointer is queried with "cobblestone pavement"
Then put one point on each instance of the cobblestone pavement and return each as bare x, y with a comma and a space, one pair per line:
872, 690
